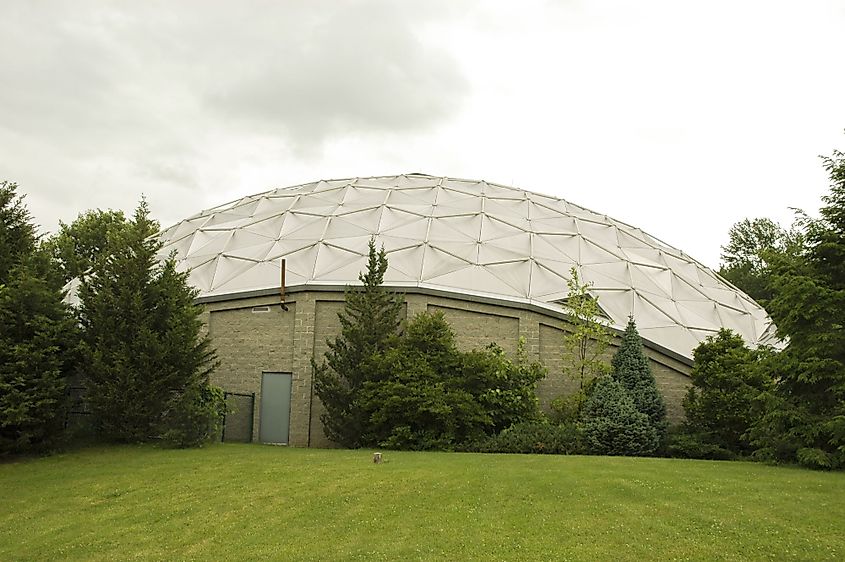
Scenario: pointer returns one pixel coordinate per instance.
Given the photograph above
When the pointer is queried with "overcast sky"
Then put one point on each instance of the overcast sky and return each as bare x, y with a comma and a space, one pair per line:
678, 117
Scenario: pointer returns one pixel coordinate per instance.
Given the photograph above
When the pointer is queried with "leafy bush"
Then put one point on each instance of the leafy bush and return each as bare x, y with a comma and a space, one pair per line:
727, 381
683, 445
537, 437
612, 425
195, 417
425, 394
504, 388
566, 407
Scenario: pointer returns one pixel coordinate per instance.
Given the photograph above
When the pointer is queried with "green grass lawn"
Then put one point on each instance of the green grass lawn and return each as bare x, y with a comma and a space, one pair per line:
230, 502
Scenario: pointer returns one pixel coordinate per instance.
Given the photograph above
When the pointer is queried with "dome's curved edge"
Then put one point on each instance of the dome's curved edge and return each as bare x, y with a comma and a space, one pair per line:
765, 335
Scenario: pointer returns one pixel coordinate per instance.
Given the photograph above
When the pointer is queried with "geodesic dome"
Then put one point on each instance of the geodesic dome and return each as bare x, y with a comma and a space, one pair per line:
466, 237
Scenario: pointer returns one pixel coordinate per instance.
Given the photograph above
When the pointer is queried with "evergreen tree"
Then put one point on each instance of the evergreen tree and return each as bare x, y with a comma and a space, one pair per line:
370, 319
38, 339
805, 420
17, 233
612, 425
631, 368
141, 335
37, 335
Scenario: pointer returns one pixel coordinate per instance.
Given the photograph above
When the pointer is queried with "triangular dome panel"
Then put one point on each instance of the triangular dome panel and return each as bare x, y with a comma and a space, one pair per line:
463, 236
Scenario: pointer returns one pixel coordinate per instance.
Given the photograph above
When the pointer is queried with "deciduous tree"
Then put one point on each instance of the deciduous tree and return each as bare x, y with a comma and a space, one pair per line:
584, 345
753, 245
76, 246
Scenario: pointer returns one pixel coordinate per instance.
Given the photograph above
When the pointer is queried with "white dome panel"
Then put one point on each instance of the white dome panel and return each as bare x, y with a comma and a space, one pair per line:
463, 236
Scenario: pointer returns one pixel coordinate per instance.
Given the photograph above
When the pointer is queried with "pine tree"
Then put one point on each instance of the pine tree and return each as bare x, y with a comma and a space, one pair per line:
370, 319
631, 368
141, 336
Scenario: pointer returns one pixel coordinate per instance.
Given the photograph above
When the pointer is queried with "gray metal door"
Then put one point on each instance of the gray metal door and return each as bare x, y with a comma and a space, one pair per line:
275, 407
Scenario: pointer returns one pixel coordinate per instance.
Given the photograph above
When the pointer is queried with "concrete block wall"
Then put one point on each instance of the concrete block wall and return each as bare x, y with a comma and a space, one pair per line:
671, 376
475, 329
327, 325
249, 343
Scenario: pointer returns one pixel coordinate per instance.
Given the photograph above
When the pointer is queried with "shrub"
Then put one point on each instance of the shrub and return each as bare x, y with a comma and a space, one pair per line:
566, 408
613, 426
536, 437
504, 388
195, 417
727, 380
683, 445
409, 403
425, 394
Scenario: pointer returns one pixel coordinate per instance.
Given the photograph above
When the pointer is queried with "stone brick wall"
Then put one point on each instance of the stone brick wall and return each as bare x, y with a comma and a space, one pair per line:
249, 343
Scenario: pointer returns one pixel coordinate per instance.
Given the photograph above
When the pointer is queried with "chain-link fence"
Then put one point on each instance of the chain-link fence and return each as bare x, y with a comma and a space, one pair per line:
78, 418
240, 414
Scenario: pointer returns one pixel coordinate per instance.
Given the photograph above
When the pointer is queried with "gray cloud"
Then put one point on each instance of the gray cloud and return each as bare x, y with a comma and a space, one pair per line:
358, 66
304, 70
101, 98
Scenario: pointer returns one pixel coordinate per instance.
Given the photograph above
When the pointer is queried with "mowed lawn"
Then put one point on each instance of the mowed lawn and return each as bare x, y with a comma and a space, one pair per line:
253, 502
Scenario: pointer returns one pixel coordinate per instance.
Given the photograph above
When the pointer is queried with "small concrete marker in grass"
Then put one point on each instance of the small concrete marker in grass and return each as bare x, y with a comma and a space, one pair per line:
377, 458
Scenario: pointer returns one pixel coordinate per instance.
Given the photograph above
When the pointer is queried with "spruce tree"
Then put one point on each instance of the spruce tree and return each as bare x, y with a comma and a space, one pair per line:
612, 425
631, 368
370, 319
141, 336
